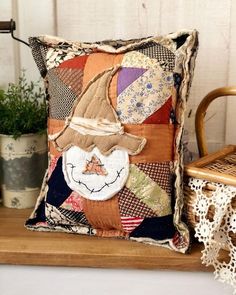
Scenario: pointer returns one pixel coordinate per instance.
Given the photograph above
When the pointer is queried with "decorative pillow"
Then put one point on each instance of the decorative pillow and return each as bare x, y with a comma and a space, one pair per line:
116, 114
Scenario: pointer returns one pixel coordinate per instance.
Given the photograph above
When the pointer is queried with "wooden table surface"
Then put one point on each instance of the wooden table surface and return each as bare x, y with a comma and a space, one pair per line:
21, 246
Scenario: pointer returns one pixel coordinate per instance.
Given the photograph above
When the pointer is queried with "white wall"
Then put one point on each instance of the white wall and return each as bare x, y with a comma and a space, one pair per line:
22, 280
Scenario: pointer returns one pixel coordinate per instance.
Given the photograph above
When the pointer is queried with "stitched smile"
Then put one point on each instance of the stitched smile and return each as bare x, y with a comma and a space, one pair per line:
93, 190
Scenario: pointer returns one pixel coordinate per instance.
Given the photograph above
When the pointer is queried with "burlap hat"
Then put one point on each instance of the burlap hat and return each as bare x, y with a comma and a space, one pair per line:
94, 122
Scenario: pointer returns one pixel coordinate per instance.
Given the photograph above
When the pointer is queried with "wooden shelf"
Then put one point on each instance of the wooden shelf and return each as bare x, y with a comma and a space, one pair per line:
21, 246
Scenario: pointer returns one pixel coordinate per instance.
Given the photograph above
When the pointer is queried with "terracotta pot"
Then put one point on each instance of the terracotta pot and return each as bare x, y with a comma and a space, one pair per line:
22, 166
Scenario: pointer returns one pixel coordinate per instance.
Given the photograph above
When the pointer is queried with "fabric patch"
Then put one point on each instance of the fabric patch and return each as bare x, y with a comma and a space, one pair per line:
177, 80
54, 126
179, 241
103, 215
54, 216
61, 97
127, 76
159, 145
52, 165
73, 78
132, 206
56, 56
74, 217
99, 62
161, 116
73, 203
144, 96
77, 62
135, 59
160, 173
64, 220
157, 228
39, 52
148, 191
164, 56
95, 186
39, 216
130, 223
58, 190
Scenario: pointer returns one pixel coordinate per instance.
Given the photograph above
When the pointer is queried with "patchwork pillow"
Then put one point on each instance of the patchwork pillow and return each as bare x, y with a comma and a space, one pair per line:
116, 115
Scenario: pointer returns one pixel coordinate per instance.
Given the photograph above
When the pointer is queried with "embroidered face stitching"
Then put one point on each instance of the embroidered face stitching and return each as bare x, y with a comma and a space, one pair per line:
94, 166
85, 185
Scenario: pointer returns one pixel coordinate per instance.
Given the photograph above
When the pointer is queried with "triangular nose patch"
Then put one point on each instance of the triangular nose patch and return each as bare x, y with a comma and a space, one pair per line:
94, 166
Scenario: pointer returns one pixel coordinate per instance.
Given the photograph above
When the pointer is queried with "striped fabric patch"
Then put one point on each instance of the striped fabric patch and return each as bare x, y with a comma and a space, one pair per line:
73, 78
74, 217
130, 223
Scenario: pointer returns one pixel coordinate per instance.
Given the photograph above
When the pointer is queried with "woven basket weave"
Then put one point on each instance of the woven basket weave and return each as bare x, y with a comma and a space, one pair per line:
219, 167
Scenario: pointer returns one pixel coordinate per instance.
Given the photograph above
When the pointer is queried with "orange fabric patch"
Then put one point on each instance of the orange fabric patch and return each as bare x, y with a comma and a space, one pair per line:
103, 214
159, 145
97, 63
54, 126
77, 62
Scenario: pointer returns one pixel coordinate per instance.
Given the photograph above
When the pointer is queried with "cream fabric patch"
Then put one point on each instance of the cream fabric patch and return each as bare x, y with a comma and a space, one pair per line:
136, 59
93, 175
144, 96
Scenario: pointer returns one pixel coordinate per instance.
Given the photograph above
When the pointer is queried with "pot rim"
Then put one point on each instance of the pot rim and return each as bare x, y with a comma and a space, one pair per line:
23, 135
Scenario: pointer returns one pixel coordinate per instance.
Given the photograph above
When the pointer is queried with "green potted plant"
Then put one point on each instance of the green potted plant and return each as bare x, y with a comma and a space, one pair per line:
23, 145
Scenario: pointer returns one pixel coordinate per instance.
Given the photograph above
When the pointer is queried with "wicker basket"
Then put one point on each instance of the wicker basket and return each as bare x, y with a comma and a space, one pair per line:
219, 167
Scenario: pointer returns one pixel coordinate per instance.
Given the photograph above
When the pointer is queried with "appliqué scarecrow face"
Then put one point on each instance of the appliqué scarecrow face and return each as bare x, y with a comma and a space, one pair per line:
93, 175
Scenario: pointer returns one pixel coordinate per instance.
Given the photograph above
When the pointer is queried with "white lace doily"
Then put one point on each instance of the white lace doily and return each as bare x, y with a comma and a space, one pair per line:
215, 231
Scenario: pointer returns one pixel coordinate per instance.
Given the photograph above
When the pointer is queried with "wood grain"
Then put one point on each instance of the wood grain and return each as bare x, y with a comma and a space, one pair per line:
20, 246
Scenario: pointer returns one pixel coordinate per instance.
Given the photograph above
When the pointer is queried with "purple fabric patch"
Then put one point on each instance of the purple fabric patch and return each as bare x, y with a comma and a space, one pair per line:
127, 76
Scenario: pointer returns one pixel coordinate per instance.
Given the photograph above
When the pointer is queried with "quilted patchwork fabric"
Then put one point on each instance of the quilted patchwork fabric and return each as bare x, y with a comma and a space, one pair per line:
115, 122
